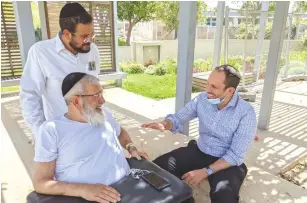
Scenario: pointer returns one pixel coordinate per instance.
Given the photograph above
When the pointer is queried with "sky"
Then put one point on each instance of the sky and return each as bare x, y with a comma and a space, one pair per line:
232, 4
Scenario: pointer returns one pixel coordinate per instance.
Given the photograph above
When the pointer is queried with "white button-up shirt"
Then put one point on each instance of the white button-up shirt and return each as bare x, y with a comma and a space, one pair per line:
40, 86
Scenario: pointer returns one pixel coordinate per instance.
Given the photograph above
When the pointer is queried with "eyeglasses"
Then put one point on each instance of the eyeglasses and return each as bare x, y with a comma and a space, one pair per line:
96, 96
230, 70
85, 39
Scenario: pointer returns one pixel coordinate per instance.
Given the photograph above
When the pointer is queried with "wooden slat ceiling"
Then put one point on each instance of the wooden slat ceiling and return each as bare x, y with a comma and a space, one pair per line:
102, 13
11, 62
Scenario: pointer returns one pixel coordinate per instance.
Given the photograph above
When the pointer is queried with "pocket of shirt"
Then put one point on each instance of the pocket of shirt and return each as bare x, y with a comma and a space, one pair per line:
90, 70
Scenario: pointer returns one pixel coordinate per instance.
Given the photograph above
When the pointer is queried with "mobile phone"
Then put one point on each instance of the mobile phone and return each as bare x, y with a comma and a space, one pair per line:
156, 181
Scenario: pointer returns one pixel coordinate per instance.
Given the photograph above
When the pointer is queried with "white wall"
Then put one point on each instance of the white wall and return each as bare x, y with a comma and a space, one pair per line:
125, 53
203, 49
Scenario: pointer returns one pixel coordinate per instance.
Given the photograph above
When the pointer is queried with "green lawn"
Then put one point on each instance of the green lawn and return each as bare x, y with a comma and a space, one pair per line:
9, 89
152, 86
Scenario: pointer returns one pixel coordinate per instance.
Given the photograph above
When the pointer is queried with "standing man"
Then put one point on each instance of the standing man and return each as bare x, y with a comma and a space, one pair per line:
49, 61
227, 126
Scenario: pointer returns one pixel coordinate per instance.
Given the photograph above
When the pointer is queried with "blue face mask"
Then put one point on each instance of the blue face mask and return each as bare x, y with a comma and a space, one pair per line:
215, 101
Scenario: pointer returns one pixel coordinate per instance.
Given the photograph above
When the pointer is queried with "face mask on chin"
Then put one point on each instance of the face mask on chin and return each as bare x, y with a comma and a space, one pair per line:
216, 101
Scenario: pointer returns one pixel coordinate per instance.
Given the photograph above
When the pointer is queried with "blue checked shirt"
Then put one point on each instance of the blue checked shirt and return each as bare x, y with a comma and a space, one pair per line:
225, 133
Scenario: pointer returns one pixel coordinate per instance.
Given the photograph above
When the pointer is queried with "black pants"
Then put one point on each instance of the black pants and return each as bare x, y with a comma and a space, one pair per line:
225, 185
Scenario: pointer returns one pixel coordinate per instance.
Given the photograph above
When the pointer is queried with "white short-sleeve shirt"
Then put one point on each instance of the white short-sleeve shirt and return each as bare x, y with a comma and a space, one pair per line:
83, 153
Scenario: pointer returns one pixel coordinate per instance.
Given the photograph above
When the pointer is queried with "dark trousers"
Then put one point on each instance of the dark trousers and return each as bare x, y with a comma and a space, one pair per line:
225, 184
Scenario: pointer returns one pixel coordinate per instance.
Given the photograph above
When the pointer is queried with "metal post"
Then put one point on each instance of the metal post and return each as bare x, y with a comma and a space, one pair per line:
253, 25
297, 29
276, 44
25, 28
186, 45
245, 50
226, 35
263, 17
288, 47
115, 30
218, 34
42, 17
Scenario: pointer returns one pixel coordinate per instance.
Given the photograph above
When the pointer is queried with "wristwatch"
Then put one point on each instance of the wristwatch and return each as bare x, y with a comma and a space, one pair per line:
209, 171
129, 145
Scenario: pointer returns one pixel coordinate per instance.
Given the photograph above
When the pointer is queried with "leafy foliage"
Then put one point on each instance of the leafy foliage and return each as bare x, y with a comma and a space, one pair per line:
134, 12
167, 11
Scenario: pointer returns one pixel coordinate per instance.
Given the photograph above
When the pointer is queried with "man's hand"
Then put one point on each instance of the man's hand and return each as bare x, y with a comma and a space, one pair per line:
134, 152
193, 178
99, 193
157, 126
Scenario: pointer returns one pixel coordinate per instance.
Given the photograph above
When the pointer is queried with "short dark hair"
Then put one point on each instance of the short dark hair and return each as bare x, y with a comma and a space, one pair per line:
72, 14
232, 74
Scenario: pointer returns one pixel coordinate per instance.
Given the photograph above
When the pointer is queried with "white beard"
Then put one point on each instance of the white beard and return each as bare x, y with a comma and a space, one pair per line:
93, 117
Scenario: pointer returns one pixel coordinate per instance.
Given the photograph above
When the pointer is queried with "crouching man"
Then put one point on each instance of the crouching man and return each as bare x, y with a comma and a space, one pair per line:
80, 153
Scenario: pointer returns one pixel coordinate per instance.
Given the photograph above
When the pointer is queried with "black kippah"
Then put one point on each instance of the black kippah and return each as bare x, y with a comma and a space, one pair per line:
70, 80
72, 10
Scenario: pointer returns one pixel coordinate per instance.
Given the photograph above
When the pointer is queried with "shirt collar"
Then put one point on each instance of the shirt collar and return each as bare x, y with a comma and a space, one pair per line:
59, 44
234, 99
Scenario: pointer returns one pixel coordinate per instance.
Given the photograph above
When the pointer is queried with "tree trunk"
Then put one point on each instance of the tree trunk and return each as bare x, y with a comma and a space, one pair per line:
129, 33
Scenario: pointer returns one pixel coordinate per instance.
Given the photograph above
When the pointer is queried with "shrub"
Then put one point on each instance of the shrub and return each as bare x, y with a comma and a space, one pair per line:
236, 61
170, 64
202, 65
160, 69
149, 63
295, 68
150, 70
131, 68
298, 70
121, 41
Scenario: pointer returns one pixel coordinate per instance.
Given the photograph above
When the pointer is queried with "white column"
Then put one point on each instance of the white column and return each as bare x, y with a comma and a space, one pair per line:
226, 35
25, 28
276, 44
186, 45
263, 17
218, 34
306, 67
115, 30
119, 82
288, 46
42, 17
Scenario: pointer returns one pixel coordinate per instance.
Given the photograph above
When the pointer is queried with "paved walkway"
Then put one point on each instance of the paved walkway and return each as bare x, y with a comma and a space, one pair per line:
284, 143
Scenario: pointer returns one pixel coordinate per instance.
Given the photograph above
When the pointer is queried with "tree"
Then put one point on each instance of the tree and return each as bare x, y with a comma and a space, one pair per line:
168, 11
134, 12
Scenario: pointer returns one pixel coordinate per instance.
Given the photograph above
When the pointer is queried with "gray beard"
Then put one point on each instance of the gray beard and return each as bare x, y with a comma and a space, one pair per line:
93, 117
